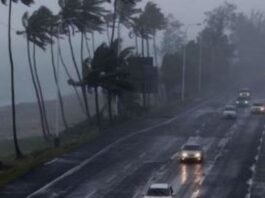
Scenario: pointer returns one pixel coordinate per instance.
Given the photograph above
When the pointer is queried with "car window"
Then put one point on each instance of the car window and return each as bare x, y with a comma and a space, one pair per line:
158, 192
230, 109
192, 147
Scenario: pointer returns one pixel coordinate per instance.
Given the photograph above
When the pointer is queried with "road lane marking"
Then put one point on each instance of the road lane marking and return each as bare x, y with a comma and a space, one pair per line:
111, 178
107, 148
90, 194
51, 162
142, 155
250, 182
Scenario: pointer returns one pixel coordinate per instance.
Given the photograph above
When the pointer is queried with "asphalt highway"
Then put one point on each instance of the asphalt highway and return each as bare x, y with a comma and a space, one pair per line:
126, 162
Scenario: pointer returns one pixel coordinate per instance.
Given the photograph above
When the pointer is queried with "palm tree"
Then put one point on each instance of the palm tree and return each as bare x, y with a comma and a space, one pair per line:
68, 18
107, 71
51, 29
34, 33
154, 21
117, 5
67, 72
13, 101
140, 30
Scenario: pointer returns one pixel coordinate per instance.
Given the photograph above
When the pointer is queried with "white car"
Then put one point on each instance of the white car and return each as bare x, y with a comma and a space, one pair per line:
230, 112
244, 93
159, 191
258, 108
191, 152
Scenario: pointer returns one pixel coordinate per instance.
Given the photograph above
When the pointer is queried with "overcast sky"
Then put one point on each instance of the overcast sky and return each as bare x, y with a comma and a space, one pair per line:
186, 11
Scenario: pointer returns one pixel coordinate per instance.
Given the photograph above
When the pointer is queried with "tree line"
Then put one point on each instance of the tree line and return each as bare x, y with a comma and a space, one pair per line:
102, 67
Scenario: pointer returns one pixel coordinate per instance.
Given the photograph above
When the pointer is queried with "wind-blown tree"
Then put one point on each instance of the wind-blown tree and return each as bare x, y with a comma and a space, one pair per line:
68, 14
126, 13
108, 71
38, 36
216, 43
89, 20
85, 16
13, 98
173, 36
52, 30
116, 10
155, 21
248, 34
140, 30
114, 60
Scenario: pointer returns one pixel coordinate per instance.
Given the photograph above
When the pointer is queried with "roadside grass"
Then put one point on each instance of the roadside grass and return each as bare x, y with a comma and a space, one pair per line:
37, 151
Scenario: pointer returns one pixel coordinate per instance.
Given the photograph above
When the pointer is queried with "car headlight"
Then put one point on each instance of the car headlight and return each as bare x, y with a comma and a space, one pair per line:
198, 155
246, 102
237, 102
262, 108
184, 155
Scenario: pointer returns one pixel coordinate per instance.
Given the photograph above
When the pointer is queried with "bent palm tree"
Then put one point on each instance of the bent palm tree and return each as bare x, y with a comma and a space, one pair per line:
38, 37
108, 72
13, 99
68, 15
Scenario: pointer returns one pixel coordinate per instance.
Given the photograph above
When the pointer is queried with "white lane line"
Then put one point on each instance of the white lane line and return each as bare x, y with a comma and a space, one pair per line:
250, 182
142, 155
107, 148
128, 166
51, 162
174, 156
91, 194
110, 179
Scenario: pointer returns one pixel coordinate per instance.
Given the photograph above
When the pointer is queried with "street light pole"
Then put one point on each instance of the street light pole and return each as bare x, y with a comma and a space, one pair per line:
183, 84
200, 66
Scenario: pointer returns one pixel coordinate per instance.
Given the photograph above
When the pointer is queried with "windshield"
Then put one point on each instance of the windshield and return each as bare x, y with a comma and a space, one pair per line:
191, 148
156, 192
230, 109
242, 98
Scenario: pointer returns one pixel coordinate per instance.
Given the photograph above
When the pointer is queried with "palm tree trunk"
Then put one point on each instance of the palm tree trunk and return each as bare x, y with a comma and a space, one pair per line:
147, 47
82, 53
107, 32
58, 87
93, 43
97, 107
69, 75
109, 105
142, 46
87, 46
136, 44
36, 90
78, 73
155, 52
35, 70
14, 124
73, 56
114, 21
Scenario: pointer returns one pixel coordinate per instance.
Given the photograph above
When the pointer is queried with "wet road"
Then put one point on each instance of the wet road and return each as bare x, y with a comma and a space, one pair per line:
128, 165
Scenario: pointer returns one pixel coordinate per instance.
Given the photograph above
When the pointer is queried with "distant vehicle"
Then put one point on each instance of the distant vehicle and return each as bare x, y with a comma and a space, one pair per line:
230, 112
245, 93
242, 101
191, 152
258, 108
159, 191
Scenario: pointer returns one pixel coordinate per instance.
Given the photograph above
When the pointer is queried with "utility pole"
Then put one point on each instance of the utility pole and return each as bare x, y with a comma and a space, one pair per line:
200, 67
